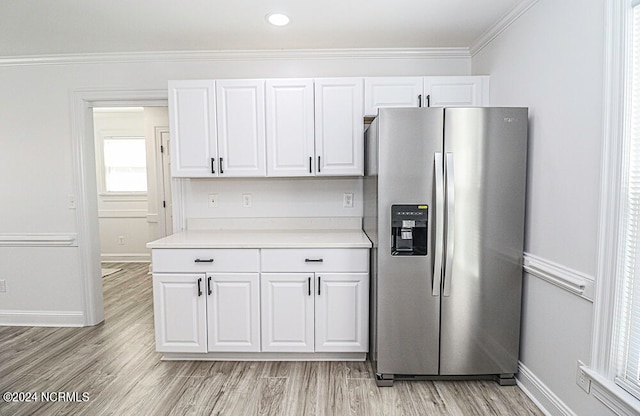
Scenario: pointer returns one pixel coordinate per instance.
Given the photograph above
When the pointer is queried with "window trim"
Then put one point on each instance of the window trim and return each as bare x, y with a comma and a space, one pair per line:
616, 99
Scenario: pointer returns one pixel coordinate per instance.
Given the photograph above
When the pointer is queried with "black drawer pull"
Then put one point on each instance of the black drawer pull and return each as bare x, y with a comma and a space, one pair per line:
313, 260
199, 286
203, 261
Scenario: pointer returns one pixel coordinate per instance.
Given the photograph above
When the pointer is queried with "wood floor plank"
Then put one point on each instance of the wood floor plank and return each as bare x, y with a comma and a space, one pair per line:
116, 364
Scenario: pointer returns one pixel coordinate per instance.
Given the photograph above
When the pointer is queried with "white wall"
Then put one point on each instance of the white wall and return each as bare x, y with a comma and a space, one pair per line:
551, 60
36, 151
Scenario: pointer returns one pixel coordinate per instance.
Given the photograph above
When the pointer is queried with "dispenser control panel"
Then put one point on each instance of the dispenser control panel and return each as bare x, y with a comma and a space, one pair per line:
409, 230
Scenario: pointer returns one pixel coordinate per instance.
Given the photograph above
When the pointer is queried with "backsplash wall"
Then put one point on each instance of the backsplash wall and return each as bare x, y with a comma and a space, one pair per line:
273, 197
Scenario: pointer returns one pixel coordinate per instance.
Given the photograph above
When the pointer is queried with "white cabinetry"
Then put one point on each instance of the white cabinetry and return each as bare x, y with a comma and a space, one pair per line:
460, 91
339, 126
287, 312
206, 300
436, 91
290, 132
241, 129
179, 312
233, 312
315, 300
193, 128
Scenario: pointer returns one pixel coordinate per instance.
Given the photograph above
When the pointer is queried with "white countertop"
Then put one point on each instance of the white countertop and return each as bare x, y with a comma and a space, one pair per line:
305, 238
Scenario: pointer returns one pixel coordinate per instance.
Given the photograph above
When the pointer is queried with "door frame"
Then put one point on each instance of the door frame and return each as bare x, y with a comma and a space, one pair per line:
85, 187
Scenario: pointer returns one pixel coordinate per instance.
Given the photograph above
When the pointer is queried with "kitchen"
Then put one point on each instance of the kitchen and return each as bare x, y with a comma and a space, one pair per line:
557, 48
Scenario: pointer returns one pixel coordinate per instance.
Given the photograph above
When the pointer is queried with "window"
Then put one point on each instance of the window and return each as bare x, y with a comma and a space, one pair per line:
628, 331
125, 164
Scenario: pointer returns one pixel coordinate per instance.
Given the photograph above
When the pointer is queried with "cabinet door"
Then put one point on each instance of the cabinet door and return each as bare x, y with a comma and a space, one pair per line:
391, 92
287, 312
290, 141
241, 132
180, 312
469, 91
342, 312
233, 312
193, 128
339, 125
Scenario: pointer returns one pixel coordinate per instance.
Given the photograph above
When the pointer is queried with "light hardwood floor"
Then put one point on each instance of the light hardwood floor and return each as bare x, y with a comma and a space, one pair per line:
116, 365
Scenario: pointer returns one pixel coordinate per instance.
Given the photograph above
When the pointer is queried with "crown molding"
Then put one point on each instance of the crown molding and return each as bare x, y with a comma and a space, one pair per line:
501, 25
237, 55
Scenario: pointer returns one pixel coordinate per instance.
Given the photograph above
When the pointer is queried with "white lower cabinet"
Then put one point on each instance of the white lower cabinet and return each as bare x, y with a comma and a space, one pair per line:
180, 312
287, 312
300, 301
233, 312
207, 312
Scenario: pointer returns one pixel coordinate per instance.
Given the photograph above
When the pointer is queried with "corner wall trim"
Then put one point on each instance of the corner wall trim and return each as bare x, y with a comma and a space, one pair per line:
575, 282
38, 240
500, 26
540, 393
42, 318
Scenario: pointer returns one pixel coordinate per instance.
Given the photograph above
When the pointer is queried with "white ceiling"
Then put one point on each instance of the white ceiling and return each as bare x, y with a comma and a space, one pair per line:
37, 27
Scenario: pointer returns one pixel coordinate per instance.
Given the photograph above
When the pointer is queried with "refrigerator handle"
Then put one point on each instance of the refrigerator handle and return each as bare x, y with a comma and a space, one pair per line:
450, 202
439, 215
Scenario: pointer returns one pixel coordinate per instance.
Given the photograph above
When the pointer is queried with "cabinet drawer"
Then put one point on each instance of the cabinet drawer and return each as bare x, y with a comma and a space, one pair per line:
315, 260
205, 260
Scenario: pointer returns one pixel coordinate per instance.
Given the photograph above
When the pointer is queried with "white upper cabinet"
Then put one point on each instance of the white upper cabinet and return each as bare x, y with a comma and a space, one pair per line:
193, 128
463, 91
339, 127
392, 92
290, 132
436, 91
241, 131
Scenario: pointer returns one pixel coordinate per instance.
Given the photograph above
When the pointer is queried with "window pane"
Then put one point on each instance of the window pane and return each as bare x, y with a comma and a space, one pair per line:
125, 164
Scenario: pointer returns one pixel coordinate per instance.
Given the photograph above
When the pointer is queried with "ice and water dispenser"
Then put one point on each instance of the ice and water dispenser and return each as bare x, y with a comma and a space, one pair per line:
409, 230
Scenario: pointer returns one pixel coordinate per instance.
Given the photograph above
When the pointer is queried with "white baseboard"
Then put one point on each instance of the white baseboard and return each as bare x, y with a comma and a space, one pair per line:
540, 394
42, 318
126, 258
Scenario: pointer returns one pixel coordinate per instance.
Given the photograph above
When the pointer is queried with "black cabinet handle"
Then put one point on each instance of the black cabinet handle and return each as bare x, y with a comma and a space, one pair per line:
213, 165
318, 163
221, 171
200, 286
428, 100
310, 162
209, 292
313, 260
203, 261
419, 100
309, 286
319, 285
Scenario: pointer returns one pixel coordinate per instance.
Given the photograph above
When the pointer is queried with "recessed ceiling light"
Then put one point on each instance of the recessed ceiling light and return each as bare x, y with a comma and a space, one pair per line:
278, 19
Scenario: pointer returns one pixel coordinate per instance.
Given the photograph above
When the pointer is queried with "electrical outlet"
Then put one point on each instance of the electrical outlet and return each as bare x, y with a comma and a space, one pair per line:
121, 240
246, 200
582, 379
347, 200
213, 200
3, 286
71, 203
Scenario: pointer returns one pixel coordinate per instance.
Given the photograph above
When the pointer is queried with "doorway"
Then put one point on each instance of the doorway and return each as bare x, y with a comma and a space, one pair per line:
85, 193
132, 179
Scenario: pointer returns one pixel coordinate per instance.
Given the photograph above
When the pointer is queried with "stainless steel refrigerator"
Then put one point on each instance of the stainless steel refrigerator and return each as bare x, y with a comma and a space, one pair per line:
444, 195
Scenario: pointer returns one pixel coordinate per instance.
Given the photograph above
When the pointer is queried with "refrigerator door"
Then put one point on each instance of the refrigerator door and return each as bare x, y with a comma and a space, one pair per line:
485, 162
406, 312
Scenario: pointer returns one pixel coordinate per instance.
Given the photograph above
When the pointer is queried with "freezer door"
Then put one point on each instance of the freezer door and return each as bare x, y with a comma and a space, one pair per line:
485, 165
406, 312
